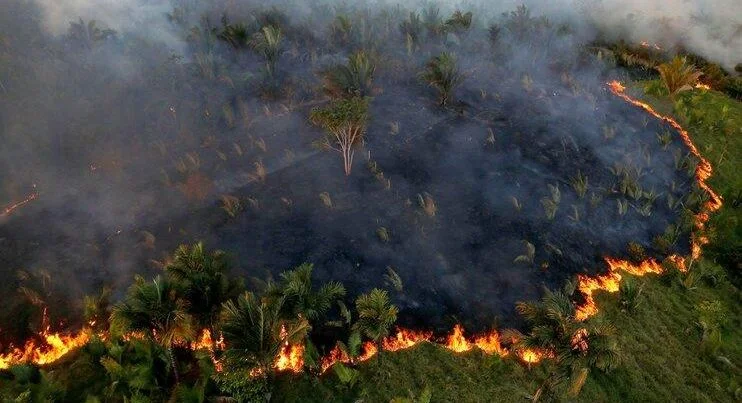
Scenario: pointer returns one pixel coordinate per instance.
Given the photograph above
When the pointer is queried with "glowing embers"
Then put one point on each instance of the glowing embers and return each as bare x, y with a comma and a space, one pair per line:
14, 206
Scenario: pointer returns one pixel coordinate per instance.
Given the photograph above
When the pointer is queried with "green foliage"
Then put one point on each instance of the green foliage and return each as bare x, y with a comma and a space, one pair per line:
203, 280
299, 298
376, 314
352, 80
678, 75
347, 376
412, 29
267, 43
341, 114
442, 74
636, 252
242, 387
631, 294
154, 309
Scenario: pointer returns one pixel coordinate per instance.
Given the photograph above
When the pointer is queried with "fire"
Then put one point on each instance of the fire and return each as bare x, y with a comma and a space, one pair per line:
53, 347
490, 344
610, 282
457, 342
9, 209
533, 356
703, 86
405, 339
206, 342
290, 358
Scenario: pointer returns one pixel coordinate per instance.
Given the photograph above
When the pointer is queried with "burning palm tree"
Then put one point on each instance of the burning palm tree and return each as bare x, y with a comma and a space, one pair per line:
578, 347
255, 332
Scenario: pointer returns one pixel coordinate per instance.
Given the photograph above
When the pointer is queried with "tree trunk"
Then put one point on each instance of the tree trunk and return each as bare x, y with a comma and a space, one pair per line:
174, 364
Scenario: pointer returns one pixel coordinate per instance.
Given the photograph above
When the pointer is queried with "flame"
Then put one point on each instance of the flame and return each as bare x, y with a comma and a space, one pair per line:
405, 338
703, 86
10, 208
290, 358
456, 341
206, 342
533, 356
610, 282
52, 347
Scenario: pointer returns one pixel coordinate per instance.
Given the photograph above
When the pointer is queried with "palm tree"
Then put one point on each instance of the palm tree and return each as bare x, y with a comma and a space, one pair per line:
376, 315
131, 371
459, 22
412, 29
345, 123
678, 75
255, 331
578, 347
157, 311
300, 298
353, 79
267, 43
202, 277
442, 74
97, 309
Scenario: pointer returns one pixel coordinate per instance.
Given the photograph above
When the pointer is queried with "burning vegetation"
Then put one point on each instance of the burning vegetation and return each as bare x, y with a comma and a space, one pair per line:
489, 177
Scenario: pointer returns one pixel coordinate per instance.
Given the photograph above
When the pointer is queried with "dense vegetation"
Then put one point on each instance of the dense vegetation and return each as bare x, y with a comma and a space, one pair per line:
677, 336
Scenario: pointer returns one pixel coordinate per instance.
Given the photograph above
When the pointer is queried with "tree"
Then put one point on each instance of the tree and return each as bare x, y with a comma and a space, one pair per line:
578, 347
300, 298
442, 74
88, 34
353, 79
345, 123
156, 311
203, 282
255, 331
267, 43
376, 315
459, 22
678, 75
97, 309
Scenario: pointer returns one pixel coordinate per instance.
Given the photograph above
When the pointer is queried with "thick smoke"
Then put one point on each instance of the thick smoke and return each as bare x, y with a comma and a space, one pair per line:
132, 141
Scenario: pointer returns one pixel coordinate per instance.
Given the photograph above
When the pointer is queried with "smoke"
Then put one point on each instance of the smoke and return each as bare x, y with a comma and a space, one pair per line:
132, 142
710, 28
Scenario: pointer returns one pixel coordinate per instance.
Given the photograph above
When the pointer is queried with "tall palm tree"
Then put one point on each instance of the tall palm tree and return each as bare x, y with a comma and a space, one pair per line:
442, 74
300, 297
376, 315
155, 310
204, 283
267, 43
255, 331
578, 347
353, 79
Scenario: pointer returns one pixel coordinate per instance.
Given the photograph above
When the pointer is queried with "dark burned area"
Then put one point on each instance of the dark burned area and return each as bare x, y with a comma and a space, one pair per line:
456, 266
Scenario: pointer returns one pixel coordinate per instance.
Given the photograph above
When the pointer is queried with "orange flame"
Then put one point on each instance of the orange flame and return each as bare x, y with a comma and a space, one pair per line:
290, 358
53, 347
456, 341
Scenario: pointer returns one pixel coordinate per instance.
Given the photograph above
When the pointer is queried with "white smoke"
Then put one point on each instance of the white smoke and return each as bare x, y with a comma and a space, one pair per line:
710, 28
